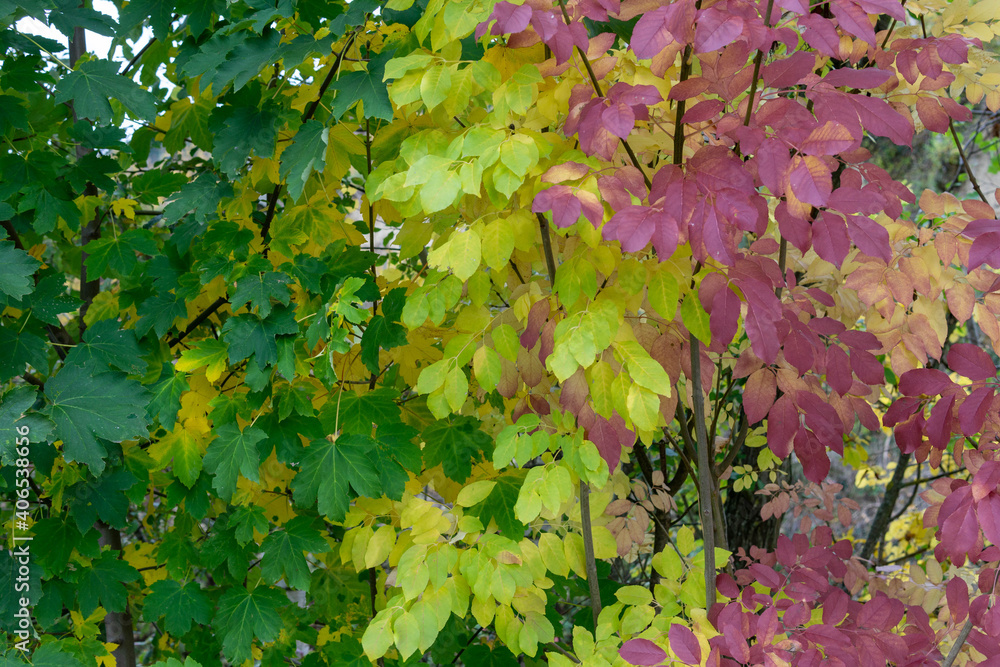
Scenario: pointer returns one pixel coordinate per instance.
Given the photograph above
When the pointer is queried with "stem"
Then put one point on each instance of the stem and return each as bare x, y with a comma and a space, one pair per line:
118, 625
550, 260
204, 315
600, 93
881, 522
588, 550
135, 58
959, 643
758, 59
965, 161
707, 486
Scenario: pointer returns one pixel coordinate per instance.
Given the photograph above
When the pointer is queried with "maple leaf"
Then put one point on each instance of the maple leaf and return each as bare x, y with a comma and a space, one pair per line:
179, 605
245, 615
455, 444
15, 281
232, 453
93, 85
284, 555
330, 470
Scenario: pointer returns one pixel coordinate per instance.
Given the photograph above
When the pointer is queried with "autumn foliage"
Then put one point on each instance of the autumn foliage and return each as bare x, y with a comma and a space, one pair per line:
494, 333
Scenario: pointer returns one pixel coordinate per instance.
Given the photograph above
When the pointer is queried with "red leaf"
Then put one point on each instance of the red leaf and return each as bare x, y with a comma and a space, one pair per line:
857, 78
758, 395
633, 226
685, 90
829, 138
782, 422
985, 480
716, 29
642, 652
908, 435
812, 454
762, 333
789, 71
853, 20
838, 370
537, 316
658, 29
724, 318
957, 592
971, 361
684, 644
772, 161
985, 250
871, 238
610, 436
703, 111
810, 180
988, 511
835, 606
932, 115
924, 381
830, 240
665, 235
972, 412
510, 19
939, 425
559, 199
618, 119
880, 118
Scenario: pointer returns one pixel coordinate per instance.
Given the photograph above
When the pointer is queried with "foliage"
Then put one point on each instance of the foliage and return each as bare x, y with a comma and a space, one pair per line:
354, 332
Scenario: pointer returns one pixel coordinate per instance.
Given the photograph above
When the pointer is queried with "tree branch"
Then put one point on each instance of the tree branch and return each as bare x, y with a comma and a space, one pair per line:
588, 550
707, 486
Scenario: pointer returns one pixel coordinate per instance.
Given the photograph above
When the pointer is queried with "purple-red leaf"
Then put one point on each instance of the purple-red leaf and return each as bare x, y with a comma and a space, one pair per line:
971, 361
715, 29
684, 644
758, 395
642, 652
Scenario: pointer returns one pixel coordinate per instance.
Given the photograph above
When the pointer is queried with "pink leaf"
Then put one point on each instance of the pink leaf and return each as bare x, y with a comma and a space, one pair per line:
867, 367
789, 71
985, 250
829, 138
703, 111
772, 160
957, 592
724, 317
684, 644
510, 19
857, 78
878, 117
988, 511
665, 235
810, 180
870, 237
972, 412
716, 29
939, 425
853, 20
758, 395
971, 361
782, 422
835, 606
838, 370
567, 171
618, 119
642, 652
610, 436
932, 115
633, 226
830, 240
658, 29
924, 381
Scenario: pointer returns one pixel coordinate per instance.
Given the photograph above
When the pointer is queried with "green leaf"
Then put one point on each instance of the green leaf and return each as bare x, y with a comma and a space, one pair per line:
306, 155
246, 519
435, 85
695, 318
499, 505
119, 251
380, 334
49, 300
244, 616
250, 335
199, 197
243, 130
102, 584
13, 405
643, 369
258, 288
52, 655
158, 13
366, 87
663, 293
455, 443
165, 400
87, 406
179, 605
284, 552
330, 470
19, 350
106, 345
92, 86
103, 497
395, 456
232, 453
209, 352
352, 413
18, 267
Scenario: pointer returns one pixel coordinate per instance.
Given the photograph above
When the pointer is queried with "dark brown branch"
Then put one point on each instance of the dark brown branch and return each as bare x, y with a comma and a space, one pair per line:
204, 315
131, 63
965, 161
550, 260
588, 549
882, 517
707, 486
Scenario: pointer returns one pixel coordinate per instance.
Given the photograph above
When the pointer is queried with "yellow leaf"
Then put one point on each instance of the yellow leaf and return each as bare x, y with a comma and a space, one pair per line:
380, 545
474, 493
